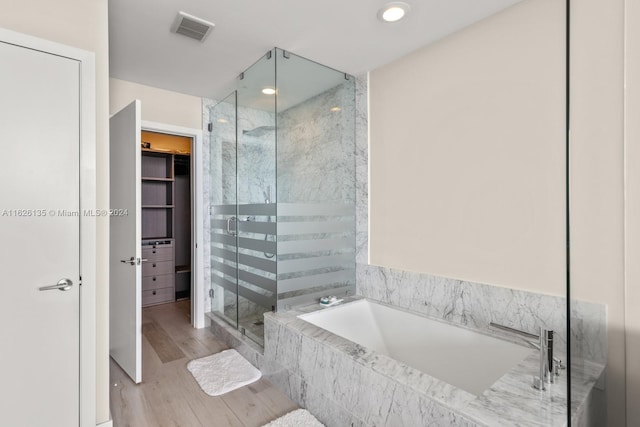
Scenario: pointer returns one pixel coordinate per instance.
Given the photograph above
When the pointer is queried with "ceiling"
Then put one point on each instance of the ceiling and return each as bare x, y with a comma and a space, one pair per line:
342, 34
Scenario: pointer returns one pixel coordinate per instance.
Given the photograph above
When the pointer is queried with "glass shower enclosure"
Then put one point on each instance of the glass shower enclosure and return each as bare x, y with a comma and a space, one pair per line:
282, 179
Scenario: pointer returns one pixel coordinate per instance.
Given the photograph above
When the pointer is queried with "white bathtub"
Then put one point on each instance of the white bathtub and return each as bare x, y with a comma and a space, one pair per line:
460, 357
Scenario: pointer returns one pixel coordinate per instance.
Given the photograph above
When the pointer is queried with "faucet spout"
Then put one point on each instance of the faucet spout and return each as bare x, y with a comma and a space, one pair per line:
547, 364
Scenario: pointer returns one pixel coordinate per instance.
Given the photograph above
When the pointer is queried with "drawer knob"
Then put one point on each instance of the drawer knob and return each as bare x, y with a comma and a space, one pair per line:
154, 292
154, 279
154, 265
154, 251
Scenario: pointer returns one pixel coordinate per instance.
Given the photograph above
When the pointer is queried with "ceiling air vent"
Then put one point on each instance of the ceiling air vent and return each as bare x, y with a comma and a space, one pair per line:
192, 27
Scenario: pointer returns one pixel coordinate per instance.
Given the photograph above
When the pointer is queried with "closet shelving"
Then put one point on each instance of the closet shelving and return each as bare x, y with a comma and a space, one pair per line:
158, 245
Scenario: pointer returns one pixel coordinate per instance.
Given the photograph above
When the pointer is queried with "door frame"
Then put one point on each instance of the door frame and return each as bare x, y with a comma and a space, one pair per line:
88, 241
197, 226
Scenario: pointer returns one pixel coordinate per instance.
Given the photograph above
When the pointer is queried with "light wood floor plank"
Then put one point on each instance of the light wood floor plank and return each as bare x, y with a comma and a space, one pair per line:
129, 407
250, 408
170, 396
161, 342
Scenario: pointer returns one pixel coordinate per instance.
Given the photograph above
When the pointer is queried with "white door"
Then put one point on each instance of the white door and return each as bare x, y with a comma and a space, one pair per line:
39, 238
125, 235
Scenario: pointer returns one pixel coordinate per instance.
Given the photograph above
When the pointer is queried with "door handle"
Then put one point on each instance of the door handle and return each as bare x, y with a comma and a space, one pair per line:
233, 233
62, 285
133, 261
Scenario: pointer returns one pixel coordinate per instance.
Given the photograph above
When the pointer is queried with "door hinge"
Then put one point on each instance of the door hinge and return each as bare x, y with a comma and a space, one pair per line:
211, 293
210, 127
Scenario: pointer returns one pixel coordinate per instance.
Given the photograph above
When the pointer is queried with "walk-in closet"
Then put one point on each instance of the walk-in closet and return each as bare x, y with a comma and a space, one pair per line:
166, 218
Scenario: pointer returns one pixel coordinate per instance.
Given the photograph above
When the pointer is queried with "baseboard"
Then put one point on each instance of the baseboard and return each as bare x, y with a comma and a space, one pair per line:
105, 424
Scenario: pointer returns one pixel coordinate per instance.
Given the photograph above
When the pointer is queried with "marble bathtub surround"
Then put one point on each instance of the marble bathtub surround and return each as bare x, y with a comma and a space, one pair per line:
377, 390
476, 305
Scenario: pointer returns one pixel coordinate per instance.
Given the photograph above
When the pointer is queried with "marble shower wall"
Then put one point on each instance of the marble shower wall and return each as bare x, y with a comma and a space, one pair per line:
211, 170
316, 149
315, 164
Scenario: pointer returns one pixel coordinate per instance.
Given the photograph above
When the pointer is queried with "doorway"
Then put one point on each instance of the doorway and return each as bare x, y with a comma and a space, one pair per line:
189, 275
155, 245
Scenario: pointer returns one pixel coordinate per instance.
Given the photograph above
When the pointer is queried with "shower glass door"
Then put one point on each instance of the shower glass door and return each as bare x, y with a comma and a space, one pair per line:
282, 186
256, 196
224, 209
243, 201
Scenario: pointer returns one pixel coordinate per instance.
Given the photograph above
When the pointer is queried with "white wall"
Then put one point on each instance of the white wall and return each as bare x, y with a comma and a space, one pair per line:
82, 24
597, 175
158, 105
401, 166
467, 153
632, 211
632, 214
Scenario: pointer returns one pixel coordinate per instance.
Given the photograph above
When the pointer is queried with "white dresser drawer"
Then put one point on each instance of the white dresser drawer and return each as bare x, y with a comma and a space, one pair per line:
157, 254
157, 268
158, 296
157, 282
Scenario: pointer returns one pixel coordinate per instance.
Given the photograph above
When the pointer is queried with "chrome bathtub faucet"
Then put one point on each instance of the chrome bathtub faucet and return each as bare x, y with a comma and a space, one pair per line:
547, 370
549, 365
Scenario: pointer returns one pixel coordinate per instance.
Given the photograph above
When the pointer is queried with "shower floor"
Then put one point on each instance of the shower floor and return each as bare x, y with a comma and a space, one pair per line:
253, 325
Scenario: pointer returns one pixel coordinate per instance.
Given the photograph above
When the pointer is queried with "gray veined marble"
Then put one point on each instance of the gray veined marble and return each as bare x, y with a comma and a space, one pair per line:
362, 169
380, 391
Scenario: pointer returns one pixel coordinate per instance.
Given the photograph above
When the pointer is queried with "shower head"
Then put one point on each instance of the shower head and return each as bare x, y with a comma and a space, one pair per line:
259, 131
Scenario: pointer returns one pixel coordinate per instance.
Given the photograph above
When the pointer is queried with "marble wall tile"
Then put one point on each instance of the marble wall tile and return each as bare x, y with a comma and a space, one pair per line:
475, 305
316, 149
315, 161
409, 409
282, 345
362, 169
324, 408
208, 193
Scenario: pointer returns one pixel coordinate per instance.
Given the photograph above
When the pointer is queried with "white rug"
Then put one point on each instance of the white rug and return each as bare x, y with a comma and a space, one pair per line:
223, 372
297, 418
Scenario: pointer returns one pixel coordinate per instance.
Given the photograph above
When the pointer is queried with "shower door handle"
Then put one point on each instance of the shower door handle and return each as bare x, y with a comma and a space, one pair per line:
233, 218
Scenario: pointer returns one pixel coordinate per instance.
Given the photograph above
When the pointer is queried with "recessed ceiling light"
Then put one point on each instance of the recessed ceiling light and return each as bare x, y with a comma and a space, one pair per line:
223, 121
268, 91
335, 109
392, 12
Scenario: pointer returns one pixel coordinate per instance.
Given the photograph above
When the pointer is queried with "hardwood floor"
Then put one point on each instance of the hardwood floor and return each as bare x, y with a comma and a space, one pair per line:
170, 396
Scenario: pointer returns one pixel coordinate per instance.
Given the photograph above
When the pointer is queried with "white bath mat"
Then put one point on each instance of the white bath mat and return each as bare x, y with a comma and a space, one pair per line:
223, 372
297, 418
